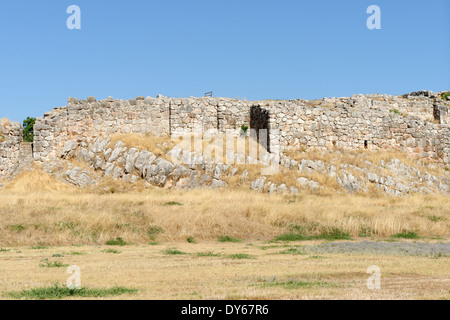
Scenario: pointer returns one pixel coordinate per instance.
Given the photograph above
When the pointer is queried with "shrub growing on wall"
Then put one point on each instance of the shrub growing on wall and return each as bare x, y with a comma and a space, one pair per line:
28, 133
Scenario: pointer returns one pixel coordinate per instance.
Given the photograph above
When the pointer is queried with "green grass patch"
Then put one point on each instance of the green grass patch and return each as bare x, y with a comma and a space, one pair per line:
173, 251
294, 284
39, 247
57, 255
54, 264
292, 237
17, 228
436, 218
57, 292
228, 239
445, 96
116, 242
111, 251
275, 246
292, 251
76, 253
4, 250
173, 203
334, 234
191, 240
406, 235
240, 256
153, 231
207, 254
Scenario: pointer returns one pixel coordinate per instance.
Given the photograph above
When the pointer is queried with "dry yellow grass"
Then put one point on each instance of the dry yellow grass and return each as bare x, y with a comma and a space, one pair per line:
143, 142
358, 158
36, 209
160, 276
210, 147
4, 122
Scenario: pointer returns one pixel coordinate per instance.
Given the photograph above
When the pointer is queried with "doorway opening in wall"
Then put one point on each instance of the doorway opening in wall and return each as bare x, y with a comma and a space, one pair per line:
259, 119
366, 144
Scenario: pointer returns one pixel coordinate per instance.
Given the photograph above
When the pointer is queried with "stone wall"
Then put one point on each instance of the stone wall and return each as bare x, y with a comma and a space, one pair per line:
85, 120
417, 123
10, 139
360, 123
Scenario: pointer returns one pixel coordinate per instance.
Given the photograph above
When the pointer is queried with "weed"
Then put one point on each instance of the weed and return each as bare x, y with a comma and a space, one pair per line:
228, 239
240, 256
295, 284
111, 251
173, 203
406, 235
334, 234
153, 231
436, 218
39, 247
207, 254
76, 253
292, 251
173, 251
191, 240
54, 264
57, 292
17, 228
116, 242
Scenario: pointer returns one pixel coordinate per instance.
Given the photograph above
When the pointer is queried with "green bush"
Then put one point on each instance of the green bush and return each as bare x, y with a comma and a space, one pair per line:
28, 129
116, 242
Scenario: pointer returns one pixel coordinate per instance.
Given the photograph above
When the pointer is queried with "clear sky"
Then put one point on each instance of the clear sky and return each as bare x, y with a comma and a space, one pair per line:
253, 49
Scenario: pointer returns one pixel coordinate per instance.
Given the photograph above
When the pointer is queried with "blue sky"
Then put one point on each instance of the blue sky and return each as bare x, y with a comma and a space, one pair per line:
253, 49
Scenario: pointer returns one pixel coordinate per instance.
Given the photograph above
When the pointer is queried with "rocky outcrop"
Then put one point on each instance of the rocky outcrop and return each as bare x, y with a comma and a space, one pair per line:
132, 164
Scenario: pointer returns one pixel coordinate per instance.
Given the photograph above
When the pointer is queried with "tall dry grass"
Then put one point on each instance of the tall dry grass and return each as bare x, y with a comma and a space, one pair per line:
4, 122
37, 209
143, 142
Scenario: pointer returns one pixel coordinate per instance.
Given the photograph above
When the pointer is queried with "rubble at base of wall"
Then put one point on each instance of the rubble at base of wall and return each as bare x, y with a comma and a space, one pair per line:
178, 169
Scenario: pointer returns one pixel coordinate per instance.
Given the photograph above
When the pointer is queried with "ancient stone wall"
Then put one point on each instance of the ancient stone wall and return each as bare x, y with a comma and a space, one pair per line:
418, 124
347, 124
10, 139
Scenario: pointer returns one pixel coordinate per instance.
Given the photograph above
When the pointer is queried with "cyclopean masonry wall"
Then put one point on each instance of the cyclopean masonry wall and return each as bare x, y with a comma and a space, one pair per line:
10, 139
418, 123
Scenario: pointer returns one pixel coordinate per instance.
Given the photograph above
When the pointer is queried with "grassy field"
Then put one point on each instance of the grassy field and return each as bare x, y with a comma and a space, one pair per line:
216, 270
138, 243
37, 210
